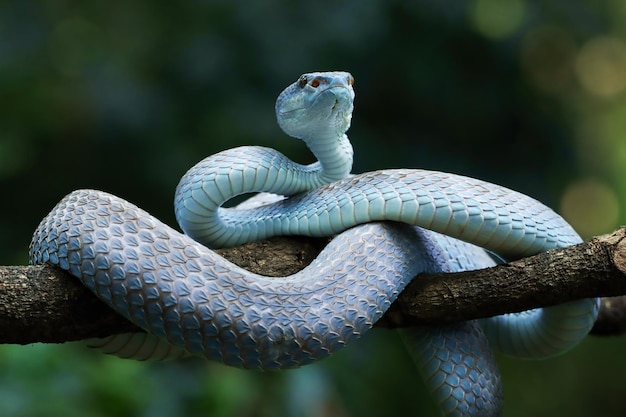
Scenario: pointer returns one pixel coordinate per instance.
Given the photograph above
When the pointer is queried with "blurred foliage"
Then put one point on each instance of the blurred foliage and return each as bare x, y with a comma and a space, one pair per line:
125, 97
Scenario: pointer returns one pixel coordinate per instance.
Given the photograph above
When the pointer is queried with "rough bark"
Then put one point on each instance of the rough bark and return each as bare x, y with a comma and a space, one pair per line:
45, 304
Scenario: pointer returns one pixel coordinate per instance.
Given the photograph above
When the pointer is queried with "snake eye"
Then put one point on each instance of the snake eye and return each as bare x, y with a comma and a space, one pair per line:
350, 80
315, 83
302, 81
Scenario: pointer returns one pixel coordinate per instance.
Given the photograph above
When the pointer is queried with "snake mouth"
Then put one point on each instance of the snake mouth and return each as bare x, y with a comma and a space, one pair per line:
336, 90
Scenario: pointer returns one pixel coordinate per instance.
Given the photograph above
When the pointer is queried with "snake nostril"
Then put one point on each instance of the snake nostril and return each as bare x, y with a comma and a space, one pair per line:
350, 80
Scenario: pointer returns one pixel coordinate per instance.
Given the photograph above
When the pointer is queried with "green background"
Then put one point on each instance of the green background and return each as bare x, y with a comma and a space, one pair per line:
126, 96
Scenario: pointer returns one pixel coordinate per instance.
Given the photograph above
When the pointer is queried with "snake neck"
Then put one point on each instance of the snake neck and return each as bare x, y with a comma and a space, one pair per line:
335, 156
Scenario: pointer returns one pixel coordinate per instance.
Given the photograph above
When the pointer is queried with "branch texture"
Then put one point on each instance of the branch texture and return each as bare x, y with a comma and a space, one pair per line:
45, 304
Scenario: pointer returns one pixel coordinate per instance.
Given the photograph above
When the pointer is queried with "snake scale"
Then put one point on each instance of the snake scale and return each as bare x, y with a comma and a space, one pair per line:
192, 302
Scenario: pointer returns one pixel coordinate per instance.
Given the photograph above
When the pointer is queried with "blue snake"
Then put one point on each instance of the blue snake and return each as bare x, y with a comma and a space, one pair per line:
192, 302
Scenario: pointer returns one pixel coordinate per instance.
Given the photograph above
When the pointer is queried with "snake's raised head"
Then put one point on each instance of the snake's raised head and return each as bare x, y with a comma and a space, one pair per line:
317, 104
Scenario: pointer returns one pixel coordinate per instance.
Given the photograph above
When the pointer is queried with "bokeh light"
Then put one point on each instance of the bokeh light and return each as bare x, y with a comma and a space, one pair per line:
601, 66
548, 55
496, 19
590, 206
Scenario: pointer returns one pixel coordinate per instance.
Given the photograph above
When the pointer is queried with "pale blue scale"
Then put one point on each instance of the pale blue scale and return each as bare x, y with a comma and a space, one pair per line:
193, 302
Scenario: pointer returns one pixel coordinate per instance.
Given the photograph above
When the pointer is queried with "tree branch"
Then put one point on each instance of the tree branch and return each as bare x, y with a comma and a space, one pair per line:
45, 304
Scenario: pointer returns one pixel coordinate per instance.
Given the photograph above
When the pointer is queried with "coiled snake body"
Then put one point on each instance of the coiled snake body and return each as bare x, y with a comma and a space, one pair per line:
191, 301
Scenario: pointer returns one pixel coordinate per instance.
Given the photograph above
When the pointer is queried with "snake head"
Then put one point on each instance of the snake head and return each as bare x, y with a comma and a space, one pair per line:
317, 104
